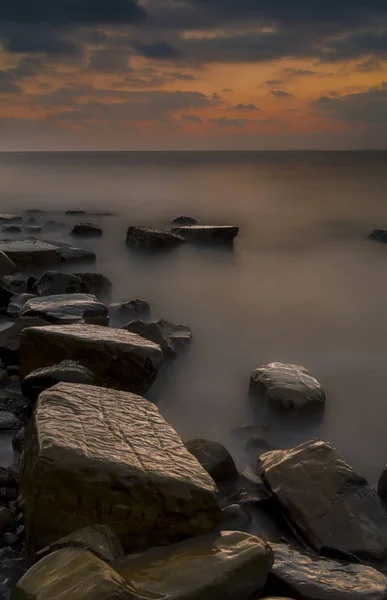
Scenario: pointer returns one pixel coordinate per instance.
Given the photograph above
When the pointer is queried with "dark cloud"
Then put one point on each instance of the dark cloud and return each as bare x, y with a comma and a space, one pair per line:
243, 107
281, 94
157, 50
370, 65
365, 107
37, 39
7, 84
29, 67
191, 119
109, 60
226, 122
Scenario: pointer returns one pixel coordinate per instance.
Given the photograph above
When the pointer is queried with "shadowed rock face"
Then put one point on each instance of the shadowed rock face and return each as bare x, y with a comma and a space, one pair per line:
67, 308
121, 359
97, 284
309, 576
230, 566
207, 233
55, 282
184, 221
151, 238
29, 253
154, 333
71, 254
332, 506
94, 455
7, 267
67, 371
99, 539
10, 339
214, 458
87, 230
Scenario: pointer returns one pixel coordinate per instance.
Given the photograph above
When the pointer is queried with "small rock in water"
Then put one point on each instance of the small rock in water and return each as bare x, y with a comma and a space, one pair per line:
184, 221
9, 218
70, 254
151, 238
75, 212
133, 310
378, 235
87, 229
207, 233
179, 335
12, 229
35, 211
32, 221
8, 421
17, 303
214, 458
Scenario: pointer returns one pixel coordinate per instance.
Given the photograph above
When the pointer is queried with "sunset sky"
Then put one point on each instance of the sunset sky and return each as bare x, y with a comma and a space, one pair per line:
193, 74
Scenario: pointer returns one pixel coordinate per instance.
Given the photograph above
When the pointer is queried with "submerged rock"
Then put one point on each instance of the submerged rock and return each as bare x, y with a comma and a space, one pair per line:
99, 539
184, 221
11, 286
29, 253
289, 387
9, 218
55, 282
75, 212
331, 505
121, 359
179, 335
17, 303
378, 235
151, 238
214, 458
133, 310
70, 254
67, 371
8, 421
230, 566
315, 578
207, 233
12, 229
154, 333
7, 267
67, 308
97, 284
95, 455
10, 338
87, 230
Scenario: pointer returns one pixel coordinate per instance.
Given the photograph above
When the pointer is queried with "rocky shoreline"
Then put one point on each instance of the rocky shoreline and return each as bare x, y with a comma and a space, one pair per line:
108, 501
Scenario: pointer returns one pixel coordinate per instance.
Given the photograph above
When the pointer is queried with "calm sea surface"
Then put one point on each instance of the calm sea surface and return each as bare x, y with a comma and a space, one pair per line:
302, 284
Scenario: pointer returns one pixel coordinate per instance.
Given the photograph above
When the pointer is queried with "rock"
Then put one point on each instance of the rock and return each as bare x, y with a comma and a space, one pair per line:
151, 238
17, 303
320, 494
231, 565
121, 359
73, 574
288, 387
70, 254
75, 212
32, 221
11, 286
214, 458
12, 229
99, 539
4, 377
179, 335
95, 455
382, 485
315, 578
233, 518
8, 421
18, 440
378, 235
55, 282
207, 233
7, 267
133, 310
30, 253
7, 218
10, 338
15, 403
184, 221
97, 284
13, 370
6, 519
9, 539
154, 333
67, 308
8, 478
68, 371
87, 230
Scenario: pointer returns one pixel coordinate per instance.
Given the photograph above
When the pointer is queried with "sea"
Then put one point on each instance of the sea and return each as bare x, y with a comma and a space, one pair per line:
302, 284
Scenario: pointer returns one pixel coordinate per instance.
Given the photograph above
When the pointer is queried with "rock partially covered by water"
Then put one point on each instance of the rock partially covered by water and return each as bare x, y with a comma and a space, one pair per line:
67, 371
151, 238
289, 387
331, 505
230, 565
214, 458
154, 333
12, 229
87, 230
378, 235
207, 233
70, 254
133, 310
179, 335
17, 304
121, 359
30, 253
310, 576
99, 539
184, 221
97, 284
73, 574
54, 282
67, 308
7, 267
95, 455
10, 338
9, 218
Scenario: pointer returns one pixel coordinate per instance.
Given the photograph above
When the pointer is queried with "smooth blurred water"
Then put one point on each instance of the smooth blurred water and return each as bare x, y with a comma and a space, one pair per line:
302, 284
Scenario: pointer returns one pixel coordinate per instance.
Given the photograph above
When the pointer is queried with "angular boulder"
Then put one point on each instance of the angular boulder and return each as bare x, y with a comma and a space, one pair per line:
54, 282
73, 574
70, 254
97, 284
289, 387
154, 333
30, 253
214, 458
17, 304
306, 575
9, 218
10, 339
179, 335
99, 539
67, 308
11, 286
151, 238
228, 566
378, 235
331, 505
207, 233
95, 455
67, 371
121, 359
87, 230
132, 310
7, 267
184, 221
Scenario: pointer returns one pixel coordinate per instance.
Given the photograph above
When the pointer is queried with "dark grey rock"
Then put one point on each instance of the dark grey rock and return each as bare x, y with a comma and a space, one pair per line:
15, 403
35, 211
10, 539
154, 333
4, 377
378, 235
7, 267
18, 440
87, 230
55, 282
70, 254
382, 485
8, 421
9, 218
179, 335
17, 303
68, 371
12, 229
214, 458
32, 221
233, 518
184, 221
67, 309
11, 286
207, 233
33, 229
30, 253
10, 338
132, 310
97, 284
151, 238
6, 519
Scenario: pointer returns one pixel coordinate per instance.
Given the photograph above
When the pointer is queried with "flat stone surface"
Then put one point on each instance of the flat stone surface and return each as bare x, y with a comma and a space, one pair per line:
289, 387
121, 359
7, 267
10, 338
67, 308
151, 238
71, 254
331, 505
207, 233
28, 253
309, 576
95, 455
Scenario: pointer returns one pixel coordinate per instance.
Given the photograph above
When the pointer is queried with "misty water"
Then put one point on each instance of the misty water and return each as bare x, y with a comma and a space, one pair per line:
301, 285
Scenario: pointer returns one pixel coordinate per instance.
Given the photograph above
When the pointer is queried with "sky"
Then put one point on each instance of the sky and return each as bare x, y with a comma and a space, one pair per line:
193, 74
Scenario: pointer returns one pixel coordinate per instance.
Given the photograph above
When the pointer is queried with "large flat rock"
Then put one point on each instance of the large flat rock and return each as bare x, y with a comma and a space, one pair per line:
332, 506
29, 253
309, 576
94, 455
207, 233
70, 254
228, 566
67, 308
121, 359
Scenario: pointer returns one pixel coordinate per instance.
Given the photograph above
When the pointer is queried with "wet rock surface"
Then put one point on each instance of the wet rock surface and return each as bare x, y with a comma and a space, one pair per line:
28, 253
71, 254
102, 456
214, 458
67, 371
10, 338
9, 218
87, 230
67, 308
378, 235
17, 303
154, 333
97, 284
132, 310
99, 539
179, 335
151, 238
55, 282
207, 233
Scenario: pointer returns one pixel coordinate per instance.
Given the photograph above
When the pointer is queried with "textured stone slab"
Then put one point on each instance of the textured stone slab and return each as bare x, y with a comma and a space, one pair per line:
55, 282
68, 370
332, 506
29, 253
99, 539
94, 455
67, 308
151, 238
207, 233
121, 359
